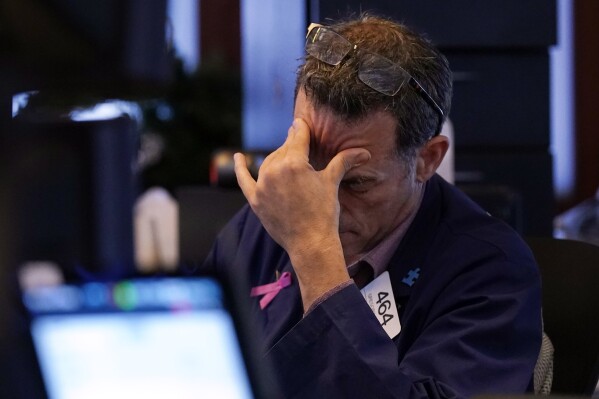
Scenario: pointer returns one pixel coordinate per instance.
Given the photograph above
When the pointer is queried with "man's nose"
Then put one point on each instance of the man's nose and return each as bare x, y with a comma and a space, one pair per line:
342, 197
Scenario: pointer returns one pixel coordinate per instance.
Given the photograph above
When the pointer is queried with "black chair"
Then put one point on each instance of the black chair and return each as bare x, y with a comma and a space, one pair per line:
570, 277
501, 201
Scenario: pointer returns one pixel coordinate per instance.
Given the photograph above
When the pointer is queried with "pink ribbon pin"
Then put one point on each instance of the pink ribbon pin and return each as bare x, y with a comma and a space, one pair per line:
271, 290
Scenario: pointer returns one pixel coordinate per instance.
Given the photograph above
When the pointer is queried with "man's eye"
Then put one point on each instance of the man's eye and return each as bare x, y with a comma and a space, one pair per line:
358, 184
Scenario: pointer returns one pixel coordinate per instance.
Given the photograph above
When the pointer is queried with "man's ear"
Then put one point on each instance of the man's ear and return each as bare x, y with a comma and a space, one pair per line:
430, 156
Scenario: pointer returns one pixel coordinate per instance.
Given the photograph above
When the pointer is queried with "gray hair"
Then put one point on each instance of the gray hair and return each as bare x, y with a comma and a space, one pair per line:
339, 88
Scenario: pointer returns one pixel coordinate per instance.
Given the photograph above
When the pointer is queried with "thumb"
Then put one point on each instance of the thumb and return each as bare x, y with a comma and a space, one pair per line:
345, 161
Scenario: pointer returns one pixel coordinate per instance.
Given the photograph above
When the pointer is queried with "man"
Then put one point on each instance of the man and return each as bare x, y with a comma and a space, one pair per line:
351, 197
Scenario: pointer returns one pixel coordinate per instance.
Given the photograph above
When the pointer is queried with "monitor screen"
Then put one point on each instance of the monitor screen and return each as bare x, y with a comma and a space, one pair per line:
139, 338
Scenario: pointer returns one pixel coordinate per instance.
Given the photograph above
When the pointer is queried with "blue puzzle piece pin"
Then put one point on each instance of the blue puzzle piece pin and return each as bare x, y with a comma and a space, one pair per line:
411, 277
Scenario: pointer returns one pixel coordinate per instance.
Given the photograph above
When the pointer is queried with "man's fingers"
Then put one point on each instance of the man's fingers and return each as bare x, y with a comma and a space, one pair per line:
244, 178
280, 152
344, 161
298, 139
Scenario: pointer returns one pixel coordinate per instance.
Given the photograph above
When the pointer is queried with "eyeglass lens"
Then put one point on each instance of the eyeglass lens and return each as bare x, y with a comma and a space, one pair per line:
327, 46
381, 74
377, 72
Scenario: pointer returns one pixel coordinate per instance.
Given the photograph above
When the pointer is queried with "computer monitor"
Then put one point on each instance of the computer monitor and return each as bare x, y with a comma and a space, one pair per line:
148, 337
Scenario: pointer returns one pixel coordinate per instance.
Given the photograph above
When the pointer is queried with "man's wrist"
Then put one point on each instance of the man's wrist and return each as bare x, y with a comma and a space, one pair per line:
319, 270
326, 296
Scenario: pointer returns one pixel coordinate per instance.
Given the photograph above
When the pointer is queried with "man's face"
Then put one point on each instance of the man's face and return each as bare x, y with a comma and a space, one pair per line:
375, 197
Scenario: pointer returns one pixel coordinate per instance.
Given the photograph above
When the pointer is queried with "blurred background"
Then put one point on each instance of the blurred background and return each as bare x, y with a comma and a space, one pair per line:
118, 119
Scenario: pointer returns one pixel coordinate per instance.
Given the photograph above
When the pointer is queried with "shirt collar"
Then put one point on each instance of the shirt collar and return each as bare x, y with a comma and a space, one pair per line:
378, 257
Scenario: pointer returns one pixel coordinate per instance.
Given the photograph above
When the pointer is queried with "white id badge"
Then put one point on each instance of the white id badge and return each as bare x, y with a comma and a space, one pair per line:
379, 296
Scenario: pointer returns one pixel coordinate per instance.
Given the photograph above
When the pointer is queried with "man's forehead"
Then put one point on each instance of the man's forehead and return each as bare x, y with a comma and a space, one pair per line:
331, 132
334, 133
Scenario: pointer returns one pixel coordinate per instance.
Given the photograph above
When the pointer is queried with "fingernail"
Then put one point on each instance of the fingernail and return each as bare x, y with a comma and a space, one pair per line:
296, 123
362, 158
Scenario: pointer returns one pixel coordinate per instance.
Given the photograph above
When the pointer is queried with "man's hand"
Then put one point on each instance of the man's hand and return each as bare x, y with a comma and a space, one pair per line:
299, 208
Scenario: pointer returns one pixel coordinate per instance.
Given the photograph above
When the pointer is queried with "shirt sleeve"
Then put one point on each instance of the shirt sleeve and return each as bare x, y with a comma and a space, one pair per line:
328, 294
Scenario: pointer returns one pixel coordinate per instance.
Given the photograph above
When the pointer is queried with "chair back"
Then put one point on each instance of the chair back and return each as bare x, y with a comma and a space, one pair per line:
203, 212
570, 278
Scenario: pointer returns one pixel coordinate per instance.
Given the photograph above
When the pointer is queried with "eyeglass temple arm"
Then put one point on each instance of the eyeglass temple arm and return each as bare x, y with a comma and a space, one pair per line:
416, 85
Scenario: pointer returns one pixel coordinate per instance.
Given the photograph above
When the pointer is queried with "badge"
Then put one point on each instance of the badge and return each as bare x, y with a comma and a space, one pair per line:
379, 296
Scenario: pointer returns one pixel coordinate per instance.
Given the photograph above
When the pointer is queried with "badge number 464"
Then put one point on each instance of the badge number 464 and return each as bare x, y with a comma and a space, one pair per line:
379, 296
